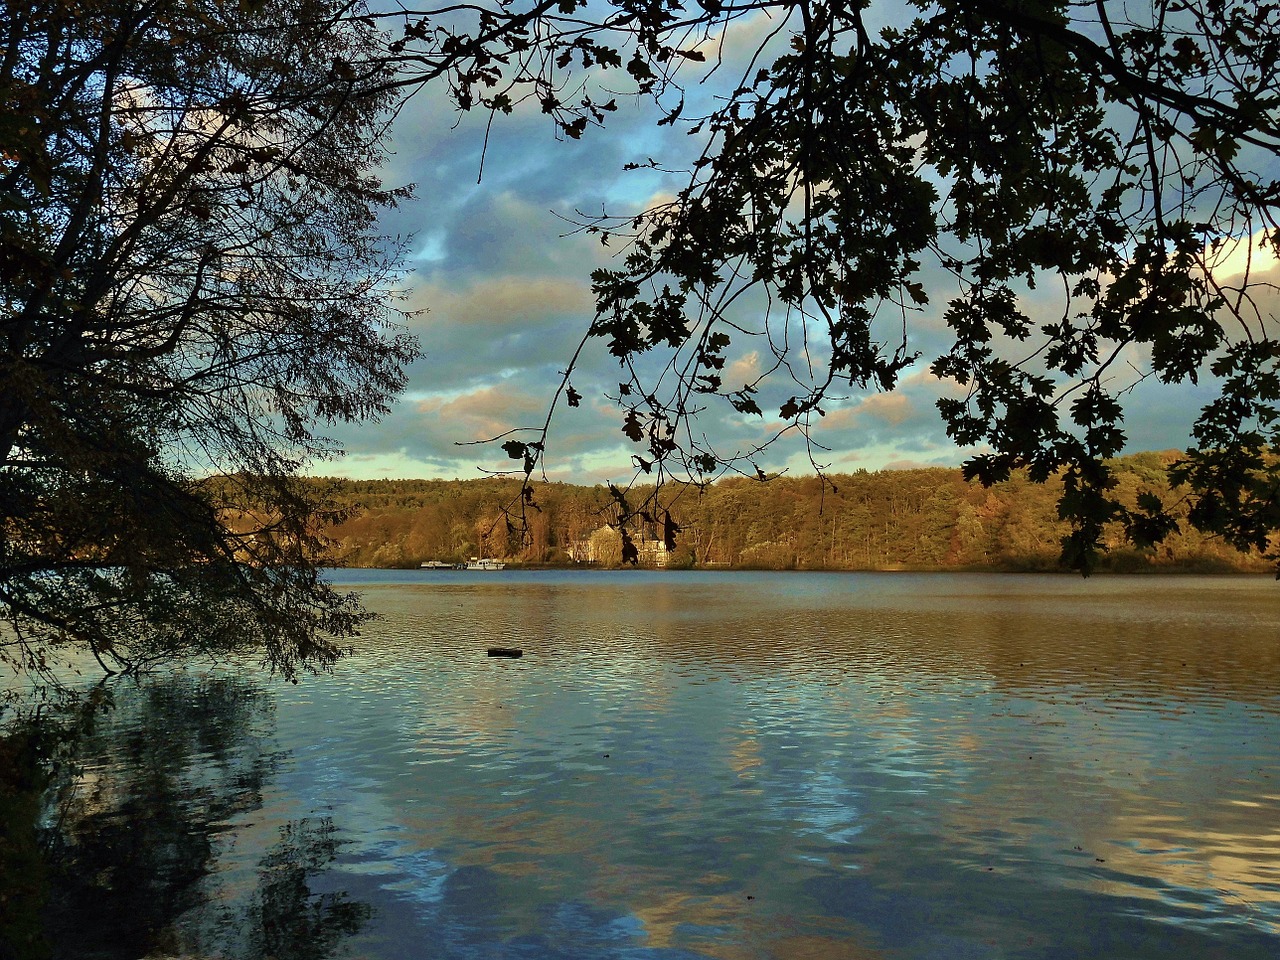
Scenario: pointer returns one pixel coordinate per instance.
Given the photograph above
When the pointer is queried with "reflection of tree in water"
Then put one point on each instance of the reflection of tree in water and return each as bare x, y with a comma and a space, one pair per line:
131, 834
287, 920
133, 821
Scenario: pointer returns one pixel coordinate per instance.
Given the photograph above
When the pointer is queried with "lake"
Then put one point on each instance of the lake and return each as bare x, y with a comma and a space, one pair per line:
705, 765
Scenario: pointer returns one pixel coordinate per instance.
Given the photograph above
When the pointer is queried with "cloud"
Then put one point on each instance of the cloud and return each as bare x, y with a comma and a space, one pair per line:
1242, 256
480, 414
891, 409
431, 429
746, 369
506, 283
499, 304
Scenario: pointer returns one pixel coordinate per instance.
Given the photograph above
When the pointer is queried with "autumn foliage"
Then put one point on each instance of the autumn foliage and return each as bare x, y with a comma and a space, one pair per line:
903, 519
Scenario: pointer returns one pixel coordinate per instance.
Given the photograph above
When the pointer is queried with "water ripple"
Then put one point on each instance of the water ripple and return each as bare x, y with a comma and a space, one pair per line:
789, 766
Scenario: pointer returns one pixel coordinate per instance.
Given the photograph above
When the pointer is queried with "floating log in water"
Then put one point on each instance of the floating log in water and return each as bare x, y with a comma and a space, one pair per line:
505, 652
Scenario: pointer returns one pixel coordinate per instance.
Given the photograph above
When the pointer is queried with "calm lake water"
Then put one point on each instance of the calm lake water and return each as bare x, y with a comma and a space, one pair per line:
708, 765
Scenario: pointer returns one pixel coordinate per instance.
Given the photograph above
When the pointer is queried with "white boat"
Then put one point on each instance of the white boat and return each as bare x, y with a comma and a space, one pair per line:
478, 564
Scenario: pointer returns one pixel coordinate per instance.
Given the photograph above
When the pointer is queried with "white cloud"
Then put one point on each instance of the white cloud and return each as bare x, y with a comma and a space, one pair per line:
1241, 257
508, 293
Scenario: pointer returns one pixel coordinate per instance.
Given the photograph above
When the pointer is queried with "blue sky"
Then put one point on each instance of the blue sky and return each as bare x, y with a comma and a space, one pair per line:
504, 283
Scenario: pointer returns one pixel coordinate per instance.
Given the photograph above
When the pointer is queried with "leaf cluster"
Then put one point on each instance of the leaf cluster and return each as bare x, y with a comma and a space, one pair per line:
860, 182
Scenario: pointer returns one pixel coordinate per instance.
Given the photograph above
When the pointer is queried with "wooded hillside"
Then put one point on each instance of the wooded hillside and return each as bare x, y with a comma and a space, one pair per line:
913, 519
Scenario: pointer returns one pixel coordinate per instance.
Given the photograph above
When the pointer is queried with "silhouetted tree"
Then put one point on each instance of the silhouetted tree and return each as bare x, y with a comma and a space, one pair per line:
881, 164
191, 283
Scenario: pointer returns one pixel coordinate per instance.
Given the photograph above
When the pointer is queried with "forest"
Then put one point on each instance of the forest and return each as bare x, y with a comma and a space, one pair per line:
921, 519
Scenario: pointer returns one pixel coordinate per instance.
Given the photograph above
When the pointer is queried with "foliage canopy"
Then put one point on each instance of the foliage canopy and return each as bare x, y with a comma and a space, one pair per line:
881, 167
923, 519
191, 284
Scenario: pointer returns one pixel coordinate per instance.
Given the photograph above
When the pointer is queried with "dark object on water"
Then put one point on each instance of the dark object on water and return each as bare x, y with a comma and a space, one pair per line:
505, 652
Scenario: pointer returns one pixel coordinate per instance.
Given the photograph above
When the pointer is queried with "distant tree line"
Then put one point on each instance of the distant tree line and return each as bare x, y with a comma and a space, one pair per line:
903, 519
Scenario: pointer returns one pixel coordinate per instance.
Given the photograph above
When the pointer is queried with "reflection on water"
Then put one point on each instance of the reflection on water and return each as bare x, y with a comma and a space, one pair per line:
733, 766
135, 827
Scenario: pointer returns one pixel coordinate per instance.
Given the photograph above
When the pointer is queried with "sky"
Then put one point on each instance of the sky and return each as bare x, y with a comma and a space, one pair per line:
502, 280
